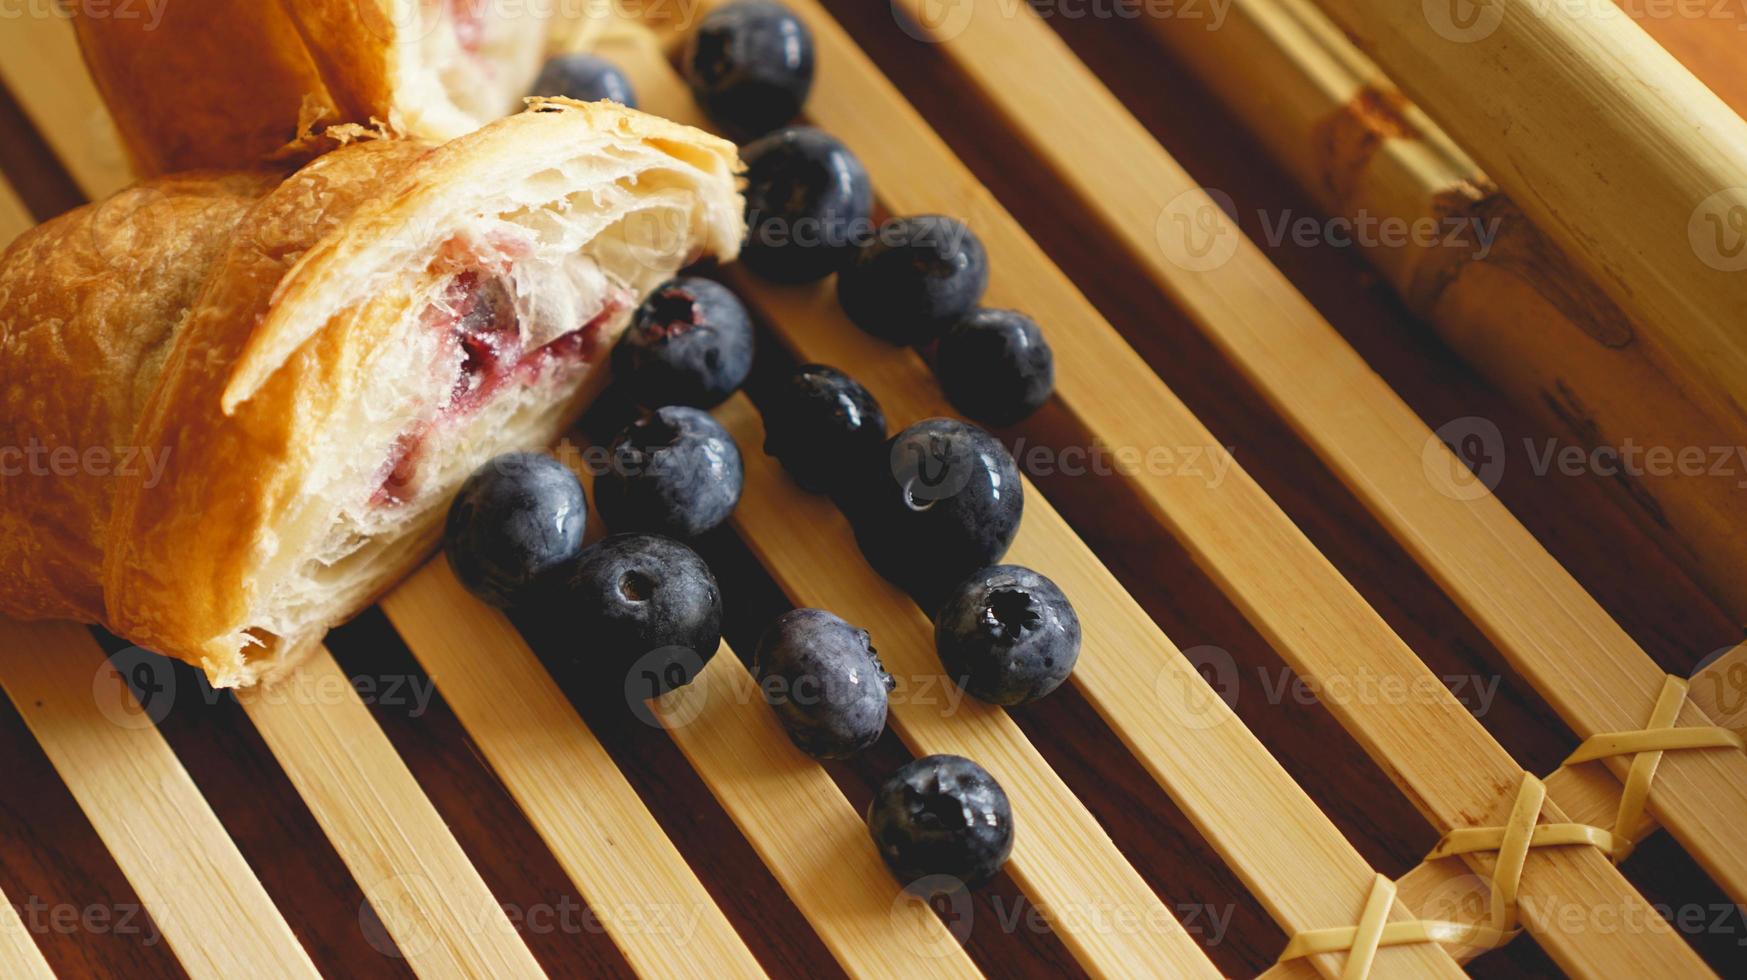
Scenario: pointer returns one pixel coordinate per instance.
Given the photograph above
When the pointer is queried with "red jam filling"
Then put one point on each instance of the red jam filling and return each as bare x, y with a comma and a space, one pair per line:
479, 314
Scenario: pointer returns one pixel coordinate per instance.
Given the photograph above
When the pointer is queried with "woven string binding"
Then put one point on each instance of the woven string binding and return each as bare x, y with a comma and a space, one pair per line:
1647, 745
1513, 840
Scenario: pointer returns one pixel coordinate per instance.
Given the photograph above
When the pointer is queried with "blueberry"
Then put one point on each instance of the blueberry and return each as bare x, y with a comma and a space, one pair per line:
808, 199
942, 501
675, 471
918, 277
690, 343
750, 65
942, 815
645, 602
995, 366
822, 424
824, 681
515, 527
585, 78
1008, 635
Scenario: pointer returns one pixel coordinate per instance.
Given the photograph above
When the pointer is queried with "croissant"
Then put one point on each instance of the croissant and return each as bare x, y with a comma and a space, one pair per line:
235, 406
230, 83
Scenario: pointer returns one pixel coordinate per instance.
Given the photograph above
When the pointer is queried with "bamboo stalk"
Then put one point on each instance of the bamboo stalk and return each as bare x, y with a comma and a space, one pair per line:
181, 861
1353, 141
635, 881
19, 955
443, 919
1305, 874
1608, 144
1552, 631
1255, 553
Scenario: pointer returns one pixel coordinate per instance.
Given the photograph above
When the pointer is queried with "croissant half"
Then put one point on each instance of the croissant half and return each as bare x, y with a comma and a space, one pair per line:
235, 408
230, 83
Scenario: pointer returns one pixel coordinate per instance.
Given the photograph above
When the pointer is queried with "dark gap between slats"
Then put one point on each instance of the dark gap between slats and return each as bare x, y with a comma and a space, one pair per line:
255, 801
70, 894
32, 169
527, 881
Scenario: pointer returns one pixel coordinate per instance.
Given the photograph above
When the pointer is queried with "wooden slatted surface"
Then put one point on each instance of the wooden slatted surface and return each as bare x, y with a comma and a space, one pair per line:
450, 620
633, 878
1306, 874
425, 892
179, 858
1264, 563
1552, 631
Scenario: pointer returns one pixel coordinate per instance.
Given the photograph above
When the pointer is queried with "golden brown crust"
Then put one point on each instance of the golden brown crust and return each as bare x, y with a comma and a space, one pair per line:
89, 306
218, 84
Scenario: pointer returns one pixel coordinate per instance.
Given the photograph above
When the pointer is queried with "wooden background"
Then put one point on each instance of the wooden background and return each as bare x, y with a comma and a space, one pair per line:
49, 853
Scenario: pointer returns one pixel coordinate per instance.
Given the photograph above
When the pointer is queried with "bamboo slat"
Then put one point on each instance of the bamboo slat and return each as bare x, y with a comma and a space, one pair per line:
804, 830
1608, 144
1328, 116
184, 866
1215, 769
443, 919
19, 956
635, 881
1285, 587
1553, 632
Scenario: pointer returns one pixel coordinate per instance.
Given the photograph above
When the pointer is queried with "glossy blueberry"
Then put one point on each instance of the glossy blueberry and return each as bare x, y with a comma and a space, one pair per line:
942, 815
1008, 635
515, 527
808, 204
995, 366
689, 343
675, 471
750, 65
942, 501
648, 603
824, 681
822, 424
585, 78
918, 277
